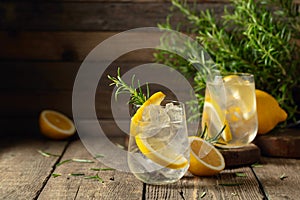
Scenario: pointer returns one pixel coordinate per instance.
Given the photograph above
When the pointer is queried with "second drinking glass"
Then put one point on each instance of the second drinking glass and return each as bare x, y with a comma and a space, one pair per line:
230, 101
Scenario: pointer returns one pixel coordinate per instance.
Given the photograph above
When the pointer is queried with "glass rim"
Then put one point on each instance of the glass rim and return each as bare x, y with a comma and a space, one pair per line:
222, 74
168, 100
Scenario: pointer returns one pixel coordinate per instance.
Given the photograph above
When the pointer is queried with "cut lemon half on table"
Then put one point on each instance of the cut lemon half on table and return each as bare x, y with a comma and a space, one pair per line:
153, 148
55, 125
206, 160
215, 120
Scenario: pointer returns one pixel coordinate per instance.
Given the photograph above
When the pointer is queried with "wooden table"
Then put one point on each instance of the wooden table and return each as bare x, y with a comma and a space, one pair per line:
27, 174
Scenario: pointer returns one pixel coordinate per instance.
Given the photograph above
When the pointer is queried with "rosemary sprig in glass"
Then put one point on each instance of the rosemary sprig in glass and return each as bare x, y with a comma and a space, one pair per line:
137, 96
213, 140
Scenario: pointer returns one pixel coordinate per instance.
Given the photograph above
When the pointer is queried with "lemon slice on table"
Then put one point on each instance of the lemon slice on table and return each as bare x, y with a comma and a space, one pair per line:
154, 148
215, 120
55, 125
205, 159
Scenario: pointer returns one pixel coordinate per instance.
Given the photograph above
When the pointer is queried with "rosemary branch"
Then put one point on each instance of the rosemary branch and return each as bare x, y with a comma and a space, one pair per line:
137, 96
251, 36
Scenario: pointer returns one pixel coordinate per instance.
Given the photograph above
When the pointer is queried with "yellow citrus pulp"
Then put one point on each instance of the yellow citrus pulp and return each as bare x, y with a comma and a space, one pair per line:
205, 159
55, 125
155, 148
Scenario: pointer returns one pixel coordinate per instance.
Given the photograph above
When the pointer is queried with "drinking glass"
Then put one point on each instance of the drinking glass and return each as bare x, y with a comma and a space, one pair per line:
230, 101
158, 149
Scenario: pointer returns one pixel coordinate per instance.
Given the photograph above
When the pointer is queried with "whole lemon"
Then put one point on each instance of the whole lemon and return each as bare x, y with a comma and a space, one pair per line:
269, 112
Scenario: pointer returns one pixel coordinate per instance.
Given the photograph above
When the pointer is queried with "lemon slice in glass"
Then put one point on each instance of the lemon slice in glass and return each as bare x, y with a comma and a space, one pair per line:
160, 152
156, 149
215, 120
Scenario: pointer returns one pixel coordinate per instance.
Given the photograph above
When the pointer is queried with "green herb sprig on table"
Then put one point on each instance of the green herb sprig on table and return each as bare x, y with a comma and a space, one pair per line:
252, 36
137, 96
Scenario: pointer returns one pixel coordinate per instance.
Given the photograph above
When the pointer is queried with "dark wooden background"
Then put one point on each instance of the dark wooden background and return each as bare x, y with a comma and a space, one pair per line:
44, 42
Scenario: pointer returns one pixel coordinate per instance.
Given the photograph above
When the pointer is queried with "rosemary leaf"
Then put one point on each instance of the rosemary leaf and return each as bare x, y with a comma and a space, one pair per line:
256, 165
99, 156
240, 174
47, 154
76, 174
120, 146
283, 176
82, 160
63, 162
96, 177
101, 169
55, 175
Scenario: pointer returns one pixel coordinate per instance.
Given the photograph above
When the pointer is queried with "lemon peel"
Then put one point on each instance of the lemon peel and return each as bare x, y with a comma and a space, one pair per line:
269, 113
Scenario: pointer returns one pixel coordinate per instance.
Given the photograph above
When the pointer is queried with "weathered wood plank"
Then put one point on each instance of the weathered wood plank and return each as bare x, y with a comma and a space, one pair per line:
116, 185
88, 15
59, 46
31, 103
49, 76
280, 178
23, 170
191, 187
29, 127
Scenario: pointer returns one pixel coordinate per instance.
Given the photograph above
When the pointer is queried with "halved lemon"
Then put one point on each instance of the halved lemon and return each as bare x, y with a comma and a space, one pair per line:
159, 152
55, 125
205, 159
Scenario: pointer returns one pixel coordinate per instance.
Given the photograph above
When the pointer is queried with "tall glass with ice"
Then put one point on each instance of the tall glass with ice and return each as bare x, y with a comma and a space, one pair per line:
230, 101
158, 150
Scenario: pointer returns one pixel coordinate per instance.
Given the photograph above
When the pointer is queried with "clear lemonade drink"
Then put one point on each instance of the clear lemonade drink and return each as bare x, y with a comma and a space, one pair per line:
230, 100
158, 150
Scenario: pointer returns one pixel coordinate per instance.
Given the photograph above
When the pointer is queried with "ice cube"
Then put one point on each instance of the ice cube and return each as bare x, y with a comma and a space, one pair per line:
155, 114
159, 121
174, 112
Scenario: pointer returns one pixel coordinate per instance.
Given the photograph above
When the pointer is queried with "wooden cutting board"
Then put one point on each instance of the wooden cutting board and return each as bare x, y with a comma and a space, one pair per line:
241, 156
283, 143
